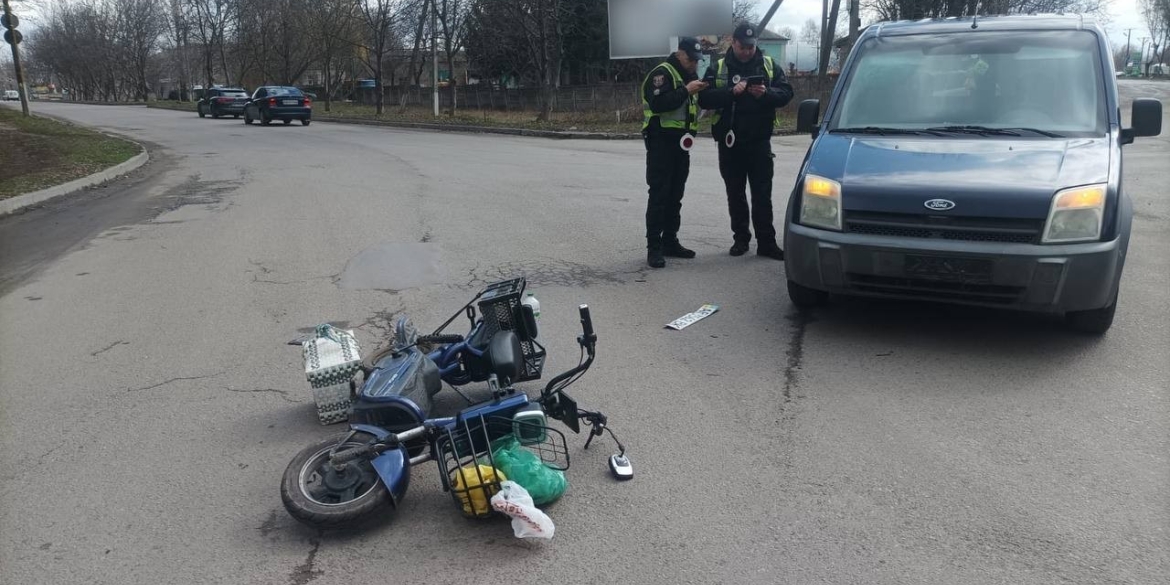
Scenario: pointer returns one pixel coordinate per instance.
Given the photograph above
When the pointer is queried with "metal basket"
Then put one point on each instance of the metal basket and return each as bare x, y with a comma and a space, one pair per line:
468, 469
500, 305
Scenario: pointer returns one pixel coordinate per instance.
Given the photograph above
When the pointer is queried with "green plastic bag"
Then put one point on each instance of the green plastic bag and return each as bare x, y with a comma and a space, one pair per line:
522, 466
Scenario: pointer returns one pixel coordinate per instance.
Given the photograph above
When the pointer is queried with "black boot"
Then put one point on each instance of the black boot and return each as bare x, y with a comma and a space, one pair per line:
676, 250
655, 258
770, 250
739, 249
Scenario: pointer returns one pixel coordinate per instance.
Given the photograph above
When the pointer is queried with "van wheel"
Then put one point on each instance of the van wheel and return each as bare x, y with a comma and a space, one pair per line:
1095, 321
806, 298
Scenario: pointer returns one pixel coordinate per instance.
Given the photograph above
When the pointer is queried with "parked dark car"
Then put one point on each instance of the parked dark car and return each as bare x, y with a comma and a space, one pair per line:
282, 103
222, 101
972, 162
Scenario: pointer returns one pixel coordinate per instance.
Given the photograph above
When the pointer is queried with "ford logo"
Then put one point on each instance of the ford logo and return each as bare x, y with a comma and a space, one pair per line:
940, 204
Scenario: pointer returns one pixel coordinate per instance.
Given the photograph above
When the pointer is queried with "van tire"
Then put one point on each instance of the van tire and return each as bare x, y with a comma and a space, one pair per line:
1093, 321
806, 298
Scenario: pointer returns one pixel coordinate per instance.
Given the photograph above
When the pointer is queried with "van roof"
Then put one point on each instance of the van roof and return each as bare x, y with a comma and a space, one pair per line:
956, 24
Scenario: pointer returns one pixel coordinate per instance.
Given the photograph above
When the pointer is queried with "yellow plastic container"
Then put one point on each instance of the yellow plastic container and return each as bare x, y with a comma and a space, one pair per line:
467, 485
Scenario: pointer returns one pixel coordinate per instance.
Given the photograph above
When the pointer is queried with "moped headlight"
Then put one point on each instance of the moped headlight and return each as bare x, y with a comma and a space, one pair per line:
820, 205
1075, 215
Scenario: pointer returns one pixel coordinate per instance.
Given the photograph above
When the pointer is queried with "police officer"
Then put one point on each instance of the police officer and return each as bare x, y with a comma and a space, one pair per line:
670, 112
744, 120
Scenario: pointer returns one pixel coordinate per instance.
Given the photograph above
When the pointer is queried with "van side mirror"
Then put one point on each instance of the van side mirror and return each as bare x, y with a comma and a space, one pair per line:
807, 114
1147, 120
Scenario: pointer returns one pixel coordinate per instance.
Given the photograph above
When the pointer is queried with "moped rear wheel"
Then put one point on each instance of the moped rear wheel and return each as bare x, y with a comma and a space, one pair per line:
320, 496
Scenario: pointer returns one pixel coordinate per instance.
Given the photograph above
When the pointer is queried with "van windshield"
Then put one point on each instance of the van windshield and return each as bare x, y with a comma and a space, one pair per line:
1048, 81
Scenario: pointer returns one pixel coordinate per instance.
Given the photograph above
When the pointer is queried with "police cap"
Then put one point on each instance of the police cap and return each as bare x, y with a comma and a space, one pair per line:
746, 34
691, 46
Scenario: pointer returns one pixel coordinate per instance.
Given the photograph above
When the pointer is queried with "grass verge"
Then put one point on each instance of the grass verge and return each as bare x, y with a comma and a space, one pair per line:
38, 153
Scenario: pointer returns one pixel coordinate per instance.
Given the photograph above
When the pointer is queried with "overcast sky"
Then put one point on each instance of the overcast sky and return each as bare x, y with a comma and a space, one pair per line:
1123, 14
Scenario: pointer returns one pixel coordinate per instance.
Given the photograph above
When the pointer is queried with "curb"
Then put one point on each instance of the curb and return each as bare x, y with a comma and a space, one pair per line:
13, 204
469, 129
121, 104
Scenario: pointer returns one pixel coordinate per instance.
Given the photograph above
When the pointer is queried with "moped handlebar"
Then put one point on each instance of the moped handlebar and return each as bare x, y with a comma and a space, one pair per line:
587, 325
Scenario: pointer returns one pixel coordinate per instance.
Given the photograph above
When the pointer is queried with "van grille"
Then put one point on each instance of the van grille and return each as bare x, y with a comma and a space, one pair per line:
970, 229
934, 289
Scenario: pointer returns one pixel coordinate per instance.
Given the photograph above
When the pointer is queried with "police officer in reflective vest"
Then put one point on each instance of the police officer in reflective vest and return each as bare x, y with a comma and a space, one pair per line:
670, 112
746, 88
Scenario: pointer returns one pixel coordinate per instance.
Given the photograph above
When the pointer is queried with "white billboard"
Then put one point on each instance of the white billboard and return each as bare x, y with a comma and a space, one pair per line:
646, 28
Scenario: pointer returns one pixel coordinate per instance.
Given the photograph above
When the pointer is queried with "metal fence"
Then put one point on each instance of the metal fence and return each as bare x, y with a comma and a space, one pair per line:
608, 98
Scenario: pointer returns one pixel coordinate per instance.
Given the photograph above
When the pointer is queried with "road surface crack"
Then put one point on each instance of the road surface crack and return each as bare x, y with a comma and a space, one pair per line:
283, 393
176, 379
305, 571
109, 347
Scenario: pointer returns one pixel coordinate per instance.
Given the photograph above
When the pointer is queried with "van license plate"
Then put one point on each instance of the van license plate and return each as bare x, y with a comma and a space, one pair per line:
969, 270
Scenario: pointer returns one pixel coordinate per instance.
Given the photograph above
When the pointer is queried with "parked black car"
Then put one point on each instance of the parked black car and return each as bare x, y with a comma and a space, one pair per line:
222, 101
282, 103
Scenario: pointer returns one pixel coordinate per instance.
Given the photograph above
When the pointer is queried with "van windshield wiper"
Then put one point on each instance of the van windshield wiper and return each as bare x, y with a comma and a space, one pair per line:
882, 130
981, 130
988, 131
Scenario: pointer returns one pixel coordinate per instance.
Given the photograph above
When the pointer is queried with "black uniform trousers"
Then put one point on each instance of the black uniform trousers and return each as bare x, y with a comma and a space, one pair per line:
749, 164
667, 169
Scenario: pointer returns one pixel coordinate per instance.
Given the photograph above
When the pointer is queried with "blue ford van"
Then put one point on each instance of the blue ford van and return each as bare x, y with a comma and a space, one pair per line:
974, 161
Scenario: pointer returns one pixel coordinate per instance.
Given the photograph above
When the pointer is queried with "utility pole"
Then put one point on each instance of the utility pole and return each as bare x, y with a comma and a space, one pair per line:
768, 16
435, 53
13, 35
854, 23
824, 27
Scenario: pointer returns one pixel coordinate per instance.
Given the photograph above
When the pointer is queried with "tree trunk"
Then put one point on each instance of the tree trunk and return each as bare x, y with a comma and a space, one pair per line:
451, 80
380, 99
328, 86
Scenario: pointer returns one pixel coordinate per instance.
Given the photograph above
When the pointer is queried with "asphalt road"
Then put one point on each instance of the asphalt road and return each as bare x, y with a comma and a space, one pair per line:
149, 404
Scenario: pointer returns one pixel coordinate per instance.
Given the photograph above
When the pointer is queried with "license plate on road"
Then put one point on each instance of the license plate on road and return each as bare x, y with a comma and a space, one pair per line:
971, 270
290, 102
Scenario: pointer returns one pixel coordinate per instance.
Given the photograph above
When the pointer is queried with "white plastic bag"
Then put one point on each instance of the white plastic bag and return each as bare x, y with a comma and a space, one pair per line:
527, 520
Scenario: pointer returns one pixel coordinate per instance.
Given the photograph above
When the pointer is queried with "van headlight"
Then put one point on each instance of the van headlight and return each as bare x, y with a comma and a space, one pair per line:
1076, 215
820, 205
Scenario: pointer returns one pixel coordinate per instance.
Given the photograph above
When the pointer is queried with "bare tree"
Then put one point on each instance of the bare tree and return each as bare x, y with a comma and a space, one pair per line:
209, 23
419, 15
452, 16
139, 24
745, 10
534, 27
178, 29
1157, 16
380, 19
331, 26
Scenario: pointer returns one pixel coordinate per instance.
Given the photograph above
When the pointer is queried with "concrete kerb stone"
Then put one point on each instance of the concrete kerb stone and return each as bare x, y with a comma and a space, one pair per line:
13, 204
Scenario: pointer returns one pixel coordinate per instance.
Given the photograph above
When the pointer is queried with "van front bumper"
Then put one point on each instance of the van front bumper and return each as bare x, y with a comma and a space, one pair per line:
1047, 278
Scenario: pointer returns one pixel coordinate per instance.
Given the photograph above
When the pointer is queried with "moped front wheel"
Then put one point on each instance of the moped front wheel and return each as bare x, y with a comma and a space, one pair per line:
319, 495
